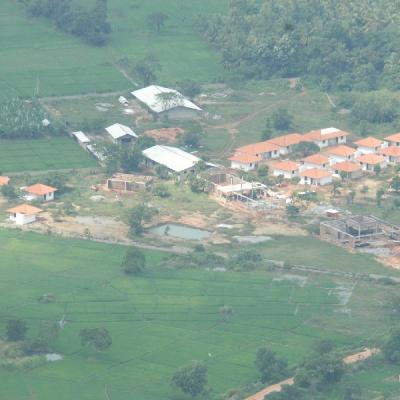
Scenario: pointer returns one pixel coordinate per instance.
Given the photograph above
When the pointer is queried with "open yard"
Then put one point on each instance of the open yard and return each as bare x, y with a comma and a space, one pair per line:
34, 54
166, 318
42, 154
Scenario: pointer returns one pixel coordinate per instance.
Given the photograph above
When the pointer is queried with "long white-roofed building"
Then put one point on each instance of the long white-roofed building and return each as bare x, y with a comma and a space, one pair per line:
121, 133
175, 160
161, 100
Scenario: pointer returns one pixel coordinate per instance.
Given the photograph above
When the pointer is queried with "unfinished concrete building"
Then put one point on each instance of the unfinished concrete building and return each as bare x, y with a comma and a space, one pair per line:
129, 183
359, 231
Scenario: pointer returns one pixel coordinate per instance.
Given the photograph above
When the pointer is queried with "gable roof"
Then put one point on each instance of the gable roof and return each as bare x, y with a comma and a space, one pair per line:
370, 159
316, 173
393, 138
318, 159
149, 96
24, 209
326, 133
81, 137
245, 158
258, 148
287, 140
346, 166
341, 150
390, 151
118, 131
4, 180
286, 165
40, 190
369, 142
173, 158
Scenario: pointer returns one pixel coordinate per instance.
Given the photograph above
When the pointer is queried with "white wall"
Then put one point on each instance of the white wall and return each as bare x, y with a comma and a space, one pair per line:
285, 174
22, 219
334, 159
306, 166
243, 167
319, 182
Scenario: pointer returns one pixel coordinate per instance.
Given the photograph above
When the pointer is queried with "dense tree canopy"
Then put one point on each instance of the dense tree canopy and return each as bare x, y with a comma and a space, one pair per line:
341, 44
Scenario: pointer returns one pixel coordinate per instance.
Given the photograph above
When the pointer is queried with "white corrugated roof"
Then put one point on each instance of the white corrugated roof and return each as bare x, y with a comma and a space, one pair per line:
118, 131
328, 131
149, 96
81, 137
173, 158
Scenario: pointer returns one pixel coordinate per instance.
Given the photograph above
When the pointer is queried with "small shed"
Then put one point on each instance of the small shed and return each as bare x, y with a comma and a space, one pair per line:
40, 192
23, 214
121, 133
129, 182
81, 138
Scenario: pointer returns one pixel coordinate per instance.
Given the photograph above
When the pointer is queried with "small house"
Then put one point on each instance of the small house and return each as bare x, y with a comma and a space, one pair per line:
286, 142
266, 150
370, 162
341, 153
348, 169
327, 137
288, 169
40, 192
244, 161
81, 138
393, 140
4, 180
315, 177
315, 161
23, 214
121, 133
391, 153
369, 145
165, 101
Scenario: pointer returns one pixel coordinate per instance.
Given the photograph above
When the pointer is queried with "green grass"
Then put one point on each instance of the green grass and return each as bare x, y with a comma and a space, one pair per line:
164, 319
33, 51
42, 154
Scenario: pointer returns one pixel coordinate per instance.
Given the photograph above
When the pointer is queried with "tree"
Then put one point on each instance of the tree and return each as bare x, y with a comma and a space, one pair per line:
162, 172
146, 69
323, 346
16, 330
156, 20
189, 88
9, 192
305, 149
140, 215
95, 338
130, 160
191, 380
161, 191
379, 195
352, 392
134, 262
391, 349
169, 99
292, 211
262, 171
377, 169
281, 119
270, 367
395, 184
268, 130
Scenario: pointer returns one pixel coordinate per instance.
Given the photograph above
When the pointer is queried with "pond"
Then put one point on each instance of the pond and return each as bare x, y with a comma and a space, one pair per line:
180, 231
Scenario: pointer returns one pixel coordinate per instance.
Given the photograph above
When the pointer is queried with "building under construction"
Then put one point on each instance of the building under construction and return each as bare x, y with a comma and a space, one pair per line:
359, 231
129, 183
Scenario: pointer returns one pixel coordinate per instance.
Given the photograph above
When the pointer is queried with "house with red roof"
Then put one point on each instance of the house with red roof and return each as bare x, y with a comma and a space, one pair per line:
286, 142
369, 162
315, 161
315, 177
369, 145
245, 161
327, 137
391, 154
348, 169
393, 140
288, 169
23, 214
40, 192
340, 153
266, 150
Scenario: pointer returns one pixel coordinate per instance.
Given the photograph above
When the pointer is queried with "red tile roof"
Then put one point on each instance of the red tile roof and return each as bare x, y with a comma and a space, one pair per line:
4, 180
393, 151
24, 209
346, 166
316, 173
287, 140
372, 159
286, 166
258, 148
324, 134
369, 142
40, 190
245, 158
341, 150
318, 158
393, 138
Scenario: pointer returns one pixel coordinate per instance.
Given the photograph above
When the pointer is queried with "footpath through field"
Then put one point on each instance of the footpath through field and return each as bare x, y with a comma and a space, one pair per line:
277, 387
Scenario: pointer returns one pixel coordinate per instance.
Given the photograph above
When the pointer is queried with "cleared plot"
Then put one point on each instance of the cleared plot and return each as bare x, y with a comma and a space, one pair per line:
159, 321
34, 53
42, 154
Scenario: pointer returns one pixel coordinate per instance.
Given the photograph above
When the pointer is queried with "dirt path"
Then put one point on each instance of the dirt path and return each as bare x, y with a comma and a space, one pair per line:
277, 387
331, 102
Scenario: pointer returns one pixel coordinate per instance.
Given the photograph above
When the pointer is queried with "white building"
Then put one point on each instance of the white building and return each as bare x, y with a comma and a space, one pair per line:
286, 142
121, 133
23, 214
341, 153
244, 161
391, 154
327, 137
174, 159
288, 169
393, 140
161, 100
315, 177
369, 162
40, 192
369, 145
315, 161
